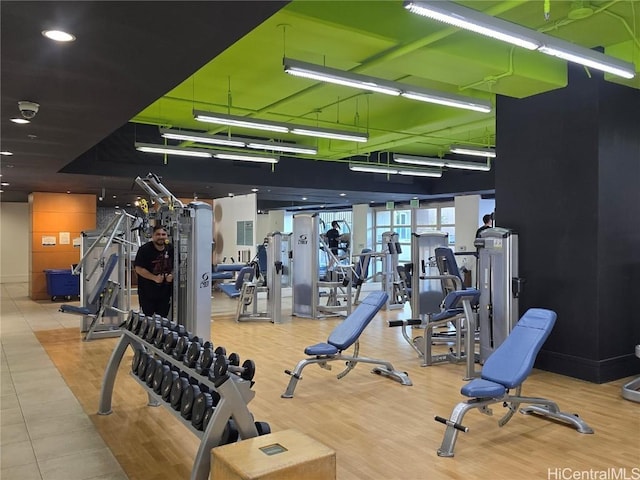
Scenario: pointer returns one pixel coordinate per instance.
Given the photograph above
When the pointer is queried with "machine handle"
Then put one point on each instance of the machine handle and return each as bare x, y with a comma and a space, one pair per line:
449, 423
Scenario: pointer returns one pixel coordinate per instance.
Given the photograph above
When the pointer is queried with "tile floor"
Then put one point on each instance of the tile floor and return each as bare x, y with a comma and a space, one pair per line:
44, 432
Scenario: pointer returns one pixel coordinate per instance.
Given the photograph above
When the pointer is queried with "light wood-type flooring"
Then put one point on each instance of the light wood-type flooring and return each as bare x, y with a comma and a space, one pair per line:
379, 429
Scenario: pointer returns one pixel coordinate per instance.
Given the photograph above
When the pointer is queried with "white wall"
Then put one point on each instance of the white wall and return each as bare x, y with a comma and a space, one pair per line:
14, 242
227, 212
361, 235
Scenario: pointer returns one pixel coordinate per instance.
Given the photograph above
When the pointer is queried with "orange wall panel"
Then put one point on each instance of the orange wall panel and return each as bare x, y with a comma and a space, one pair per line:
52, 213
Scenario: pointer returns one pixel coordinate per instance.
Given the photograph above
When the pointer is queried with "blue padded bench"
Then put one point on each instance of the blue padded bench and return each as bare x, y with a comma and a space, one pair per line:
346, 334
99, 301
457, 306
505, 369
232, 290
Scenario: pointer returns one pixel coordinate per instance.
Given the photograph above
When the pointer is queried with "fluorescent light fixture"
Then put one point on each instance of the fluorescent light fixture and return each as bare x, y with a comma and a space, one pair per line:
245, 158
475, 151
282, 147
478, 22
391, 170
590, 58
441, 162
450, 100
246, 122
200, 138
328, 133
58, 35
331, 75
233, 121
339, 77
475, 21
169, 150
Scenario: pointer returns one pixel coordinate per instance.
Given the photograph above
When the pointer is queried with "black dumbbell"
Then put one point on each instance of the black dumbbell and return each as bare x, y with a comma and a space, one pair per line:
230, 433
158, 376
151, 330
193, 353
151, 370
177, 390
161, 334
142, 366
187, 400
137, 357
168, 378
181, 348
170, 342
136, 320
206, 360
202, 402
263, 428
221, 366
208, 413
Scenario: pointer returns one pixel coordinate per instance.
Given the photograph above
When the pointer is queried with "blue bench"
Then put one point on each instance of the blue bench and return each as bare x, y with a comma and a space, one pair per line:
99, 301
506, 369
233, 290
346, 334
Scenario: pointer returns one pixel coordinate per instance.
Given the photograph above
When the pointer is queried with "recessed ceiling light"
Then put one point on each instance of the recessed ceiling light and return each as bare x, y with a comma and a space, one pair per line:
58, 35
343, 194
304, 198
5, 184
68, 191
1, 191
115, 196
21, 121
6, 152
254, 189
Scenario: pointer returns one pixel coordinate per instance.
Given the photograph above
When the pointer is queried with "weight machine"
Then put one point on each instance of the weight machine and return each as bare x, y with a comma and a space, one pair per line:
105, 276
190, 228
277, 246
499, 286
307, 246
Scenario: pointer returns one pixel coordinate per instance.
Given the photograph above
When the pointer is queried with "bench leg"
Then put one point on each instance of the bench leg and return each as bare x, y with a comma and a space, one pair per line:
549, 409
451, 433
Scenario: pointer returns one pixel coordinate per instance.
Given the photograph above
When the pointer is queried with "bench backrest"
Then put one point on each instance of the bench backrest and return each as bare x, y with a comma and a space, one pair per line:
347, 332
511, 363
362, 267
101, 284
447, 265
244, 275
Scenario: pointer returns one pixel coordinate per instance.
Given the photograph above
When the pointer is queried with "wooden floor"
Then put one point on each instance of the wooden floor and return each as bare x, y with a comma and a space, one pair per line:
379, 429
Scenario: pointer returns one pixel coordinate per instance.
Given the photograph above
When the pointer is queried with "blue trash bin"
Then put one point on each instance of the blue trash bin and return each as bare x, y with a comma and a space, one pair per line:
62, 283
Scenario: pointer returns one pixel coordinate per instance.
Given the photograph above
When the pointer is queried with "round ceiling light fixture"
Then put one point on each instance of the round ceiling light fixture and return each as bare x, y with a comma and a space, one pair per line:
58, 35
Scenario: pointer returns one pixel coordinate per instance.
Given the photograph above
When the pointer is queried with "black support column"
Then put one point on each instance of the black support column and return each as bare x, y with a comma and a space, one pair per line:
568, 181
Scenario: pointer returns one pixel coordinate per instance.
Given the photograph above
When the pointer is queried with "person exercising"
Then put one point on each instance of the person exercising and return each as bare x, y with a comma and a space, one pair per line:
154, 266
333, 236
488, 223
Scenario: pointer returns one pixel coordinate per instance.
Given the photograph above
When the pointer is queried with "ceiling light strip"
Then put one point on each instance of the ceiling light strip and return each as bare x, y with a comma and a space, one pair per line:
170, 150
475, 21
245, 122
339, 77
469, 19
389, 87
392, 170
441, 162
486, 152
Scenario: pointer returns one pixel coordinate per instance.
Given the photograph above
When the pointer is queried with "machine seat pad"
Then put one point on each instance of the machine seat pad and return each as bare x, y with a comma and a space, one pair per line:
480, 388
443, 315
221, 275
511, 363
229, 267
321, 349
347, 332
75, 309
230, 290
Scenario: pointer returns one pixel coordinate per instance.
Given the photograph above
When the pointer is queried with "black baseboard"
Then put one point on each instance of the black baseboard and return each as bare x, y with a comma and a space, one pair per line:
596, 371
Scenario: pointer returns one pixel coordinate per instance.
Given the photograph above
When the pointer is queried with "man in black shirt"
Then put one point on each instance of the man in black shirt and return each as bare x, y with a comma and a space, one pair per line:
332, 237
154, 266
488, 220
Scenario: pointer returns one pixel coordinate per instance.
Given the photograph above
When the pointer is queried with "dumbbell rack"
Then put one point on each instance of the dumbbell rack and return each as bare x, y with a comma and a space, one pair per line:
235, 393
